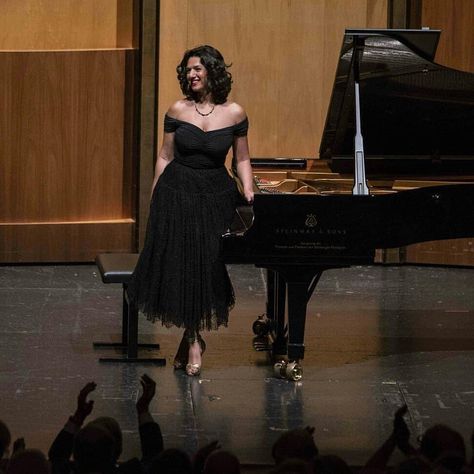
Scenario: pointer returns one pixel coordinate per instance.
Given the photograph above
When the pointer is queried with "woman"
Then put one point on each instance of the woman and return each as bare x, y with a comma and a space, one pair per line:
180, 277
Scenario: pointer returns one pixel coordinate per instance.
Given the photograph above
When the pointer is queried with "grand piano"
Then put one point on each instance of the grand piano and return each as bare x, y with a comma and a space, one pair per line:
396, 167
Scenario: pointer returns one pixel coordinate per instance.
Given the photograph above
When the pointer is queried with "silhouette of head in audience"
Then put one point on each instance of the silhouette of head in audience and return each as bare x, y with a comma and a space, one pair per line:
444, 446
111, 426
5, 438
292, 466
222, 461
412, 465
331, 464
295, 444
171, 461
94, 450
28, 461
472, 450
98, 446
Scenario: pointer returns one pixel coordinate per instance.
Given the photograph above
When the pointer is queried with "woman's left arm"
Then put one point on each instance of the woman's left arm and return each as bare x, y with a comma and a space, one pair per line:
244, 169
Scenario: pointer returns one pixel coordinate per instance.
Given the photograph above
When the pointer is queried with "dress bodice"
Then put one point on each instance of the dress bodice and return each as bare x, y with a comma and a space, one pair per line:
197, 148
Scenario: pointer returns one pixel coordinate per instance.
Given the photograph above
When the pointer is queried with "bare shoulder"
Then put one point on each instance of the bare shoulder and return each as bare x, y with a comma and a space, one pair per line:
176, 109
236, 111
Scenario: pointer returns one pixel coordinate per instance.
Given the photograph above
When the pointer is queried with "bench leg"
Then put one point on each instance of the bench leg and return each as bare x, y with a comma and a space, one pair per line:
129, 337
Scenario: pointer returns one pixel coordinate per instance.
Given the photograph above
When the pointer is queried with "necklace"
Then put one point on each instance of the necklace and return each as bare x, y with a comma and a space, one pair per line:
200, 113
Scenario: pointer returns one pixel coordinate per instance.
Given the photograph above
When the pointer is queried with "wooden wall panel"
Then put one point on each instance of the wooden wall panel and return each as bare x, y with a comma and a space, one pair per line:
257, 40
67, 122
377, 14
284, 55
455, 18
65, 24
173, 42
63, 114
64, 242
127, 24
65, 156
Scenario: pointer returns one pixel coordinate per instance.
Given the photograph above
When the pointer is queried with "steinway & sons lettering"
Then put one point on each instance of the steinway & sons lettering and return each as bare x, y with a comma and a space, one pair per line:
313, 231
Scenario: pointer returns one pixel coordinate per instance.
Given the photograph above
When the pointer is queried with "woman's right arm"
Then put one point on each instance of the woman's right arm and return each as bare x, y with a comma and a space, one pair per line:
165, 156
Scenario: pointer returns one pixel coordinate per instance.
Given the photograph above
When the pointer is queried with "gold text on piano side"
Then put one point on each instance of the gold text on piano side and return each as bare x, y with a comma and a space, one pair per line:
303, 231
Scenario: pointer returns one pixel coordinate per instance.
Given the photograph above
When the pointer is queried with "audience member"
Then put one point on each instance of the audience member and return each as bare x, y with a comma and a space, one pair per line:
150, 432
221, 461
94, 450
28, 461
295, 444
441, 450
472, 450
440, 441
445, 449
200, 457
292, 466
171, 461
5, 440
331, 464
112, 427
412, 465
399, 438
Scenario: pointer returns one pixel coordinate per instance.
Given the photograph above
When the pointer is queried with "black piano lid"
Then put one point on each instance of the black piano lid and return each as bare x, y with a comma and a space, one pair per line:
411, 107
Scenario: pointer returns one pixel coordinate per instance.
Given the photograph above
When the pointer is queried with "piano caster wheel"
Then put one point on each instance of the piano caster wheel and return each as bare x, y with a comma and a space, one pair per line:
261, 327
288, 370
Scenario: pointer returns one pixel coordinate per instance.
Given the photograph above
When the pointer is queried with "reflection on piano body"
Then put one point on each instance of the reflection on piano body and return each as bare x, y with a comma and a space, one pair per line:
417, 119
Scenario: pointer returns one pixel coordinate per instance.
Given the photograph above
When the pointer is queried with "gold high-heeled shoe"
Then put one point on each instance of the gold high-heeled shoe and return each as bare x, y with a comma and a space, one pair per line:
181, 357
193, 370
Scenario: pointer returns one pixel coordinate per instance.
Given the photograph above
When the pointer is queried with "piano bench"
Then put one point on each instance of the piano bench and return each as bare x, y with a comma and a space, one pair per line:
118, 268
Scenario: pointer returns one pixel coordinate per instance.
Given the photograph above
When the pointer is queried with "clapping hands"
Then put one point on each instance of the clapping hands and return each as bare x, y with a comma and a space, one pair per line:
84, 406
149, 390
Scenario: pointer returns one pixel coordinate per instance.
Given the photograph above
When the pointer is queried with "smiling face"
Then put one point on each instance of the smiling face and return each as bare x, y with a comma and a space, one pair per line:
196, 75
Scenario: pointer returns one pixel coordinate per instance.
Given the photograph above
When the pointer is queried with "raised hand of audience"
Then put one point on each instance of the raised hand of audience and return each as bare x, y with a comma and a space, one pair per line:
151, 439
84, 406
18, 445
401, 433
399, 437
148, 392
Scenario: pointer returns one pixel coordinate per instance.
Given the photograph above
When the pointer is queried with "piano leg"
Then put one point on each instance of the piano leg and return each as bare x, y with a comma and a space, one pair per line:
300, 285
270, 306
277, 314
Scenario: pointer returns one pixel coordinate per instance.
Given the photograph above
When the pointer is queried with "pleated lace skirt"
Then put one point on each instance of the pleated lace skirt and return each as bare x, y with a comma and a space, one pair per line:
180, 278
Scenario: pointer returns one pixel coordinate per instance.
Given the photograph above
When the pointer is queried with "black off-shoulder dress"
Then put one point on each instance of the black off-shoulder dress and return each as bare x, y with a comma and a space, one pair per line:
180, 278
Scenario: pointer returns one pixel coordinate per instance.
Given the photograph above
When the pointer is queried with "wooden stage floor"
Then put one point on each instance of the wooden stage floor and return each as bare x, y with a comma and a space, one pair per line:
376, 337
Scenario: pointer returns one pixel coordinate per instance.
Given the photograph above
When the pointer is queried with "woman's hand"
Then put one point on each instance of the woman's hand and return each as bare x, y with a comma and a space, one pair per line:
248, 195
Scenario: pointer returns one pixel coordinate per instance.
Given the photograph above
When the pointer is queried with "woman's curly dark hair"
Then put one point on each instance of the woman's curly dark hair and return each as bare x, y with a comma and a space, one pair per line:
219, 79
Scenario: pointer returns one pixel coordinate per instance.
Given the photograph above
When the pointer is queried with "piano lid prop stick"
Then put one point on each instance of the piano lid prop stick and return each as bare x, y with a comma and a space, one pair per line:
360, 184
